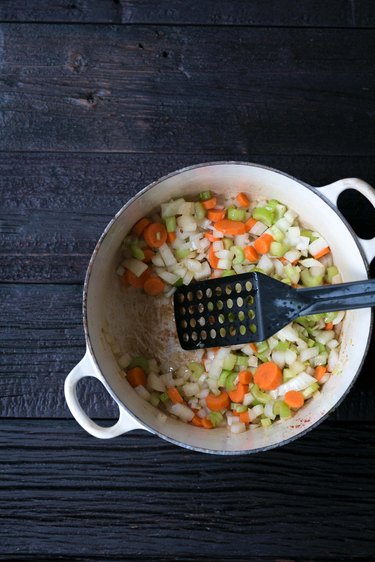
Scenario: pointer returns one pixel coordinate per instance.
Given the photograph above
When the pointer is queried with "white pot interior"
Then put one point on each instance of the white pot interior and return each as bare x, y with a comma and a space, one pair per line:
108, 302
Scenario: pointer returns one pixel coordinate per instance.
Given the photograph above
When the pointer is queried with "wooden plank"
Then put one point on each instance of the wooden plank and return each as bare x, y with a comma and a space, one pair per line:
305, 13
55, 206
42, 340
66, 494
154, 89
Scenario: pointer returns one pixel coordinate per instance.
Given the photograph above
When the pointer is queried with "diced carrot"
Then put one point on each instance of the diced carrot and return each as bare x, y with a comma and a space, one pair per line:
171, 237
215, 215
251, 254
295, 285
322, 253
138, 282
206, 423
244, 417
196, 421
210, 203
217, 403
284, 261
212, 259
263, 243
237, 395
154, 286
294, 399
268, 376
245, 377
155, 235
210, 237
249, 224
174, 395
136, 377
253, 347
149, 254
243, 200
226, 226
329, 326
319, 372
139, 226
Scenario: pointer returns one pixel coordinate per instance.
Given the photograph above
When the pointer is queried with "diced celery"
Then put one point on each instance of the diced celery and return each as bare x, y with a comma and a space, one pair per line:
287, 375
205, 195
228, 243
310, 342
179, 282
215, 418
309, 391
329, 317
322, 348
182, 253
141, 362
164, 397
264, 215
276, 407
229, 383
277, 234
199, 211
279, 212
196, 370
331, 272
255, 403
278, 249
137, 252
228, 272
308, 234
170, 223
262, 397
292, 273
223, 377
236, 214
263, 358
286, 280
229, 362
261, 346
309, 281
238, 407
239, 255
266, 422
242, 360
282, 346
272, 204
284, 410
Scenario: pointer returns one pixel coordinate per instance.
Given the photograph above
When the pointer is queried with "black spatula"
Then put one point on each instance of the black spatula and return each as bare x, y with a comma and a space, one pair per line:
252, 307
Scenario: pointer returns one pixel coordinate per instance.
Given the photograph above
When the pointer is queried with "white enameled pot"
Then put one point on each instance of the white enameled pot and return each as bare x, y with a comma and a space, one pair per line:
103, 306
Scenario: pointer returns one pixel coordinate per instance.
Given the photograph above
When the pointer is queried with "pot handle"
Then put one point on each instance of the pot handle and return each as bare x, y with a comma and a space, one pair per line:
332, 192
125, 422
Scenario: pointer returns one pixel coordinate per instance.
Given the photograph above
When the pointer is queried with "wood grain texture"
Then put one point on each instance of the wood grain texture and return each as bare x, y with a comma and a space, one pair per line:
162, 89
305, 13
53, 207
64, 493
42, 340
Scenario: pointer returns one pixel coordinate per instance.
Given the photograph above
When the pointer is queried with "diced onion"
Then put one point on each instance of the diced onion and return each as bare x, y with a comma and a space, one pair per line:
258, 228
155, 382
182, 411
266, 264
191, 389
238, 427
309, 353
333, 358
300, 382
135, 266
143, 392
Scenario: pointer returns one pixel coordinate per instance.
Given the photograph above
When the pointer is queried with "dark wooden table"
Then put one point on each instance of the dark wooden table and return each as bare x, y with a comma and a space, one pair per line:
98, 98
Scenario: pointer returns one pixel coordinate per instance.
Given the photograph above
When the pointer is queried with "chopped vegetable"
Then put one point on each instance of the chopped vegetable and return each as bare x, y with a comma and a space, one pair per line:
218, 403
231, 227
243, 200
136, 377
294, 399
268, 376
263, 243
139, 226
155, 235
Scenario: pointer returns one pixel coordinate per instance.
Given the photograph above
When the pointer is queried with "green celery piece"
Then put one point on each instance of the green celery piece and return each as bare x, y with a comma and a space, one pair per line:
309, 391
329, 317
310, 342
308, 234
277, 234
199, 211
178, 283
286, 280
229, 383
262, 346
262, 397
205, 195
263, 358
229, 362
228, 273
282, 346
215, 418
279, 212
137, 252
272, 204
264, 215
182, 254
242, 360
276, 407
238, 407
239, 255
310, 281
196, 369
170, 223
331, 272
278, 249
256, 403
284, 410
287, 375
292, 273
266, 422
322, 348
228, 243
164, 397
141, 362
236, 214
223, 377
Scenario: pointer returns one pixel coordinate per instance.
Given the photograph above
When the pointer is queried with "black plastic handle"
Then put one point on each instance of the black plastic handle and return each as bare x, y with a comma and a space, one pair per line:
344, 296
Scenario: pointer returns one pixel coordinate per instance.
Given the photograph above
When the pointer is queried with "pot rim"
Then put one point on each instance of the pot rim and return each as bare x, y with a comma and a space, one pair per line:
109, 389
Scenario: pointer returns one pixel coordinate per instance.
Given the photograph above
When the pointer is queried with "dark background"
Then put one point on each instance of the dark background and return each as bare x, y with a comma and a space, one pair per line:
97, 99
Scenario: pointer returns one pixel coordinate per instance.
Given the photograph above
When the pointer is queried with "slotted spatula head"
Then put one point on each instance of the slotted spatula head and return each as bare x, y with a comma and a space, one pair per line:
233, 310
